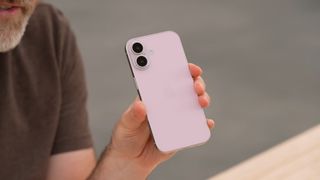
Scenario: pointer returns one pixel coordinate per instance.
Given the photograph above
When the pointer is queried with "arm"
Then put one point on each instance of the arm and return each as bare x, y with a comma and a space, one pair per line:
71, 165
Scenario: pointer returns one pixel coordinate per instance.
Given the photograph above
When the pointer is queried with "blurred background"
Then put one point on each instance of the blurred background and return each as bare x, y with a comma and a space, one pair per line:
260, 59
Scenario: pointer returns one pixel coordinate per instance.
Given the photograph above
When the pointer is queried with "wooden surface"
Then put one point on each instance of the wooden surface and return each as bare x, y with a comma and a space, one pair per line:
297, 158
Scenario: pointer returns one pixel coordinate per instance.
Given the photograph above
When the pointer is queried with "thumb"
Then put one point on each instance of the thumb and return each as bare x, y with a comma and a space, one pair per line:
134, 116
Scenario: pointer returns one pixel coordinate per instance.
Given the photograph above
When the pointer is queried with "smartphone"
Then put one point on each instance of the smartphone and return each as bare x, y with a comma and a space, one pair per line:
164, 83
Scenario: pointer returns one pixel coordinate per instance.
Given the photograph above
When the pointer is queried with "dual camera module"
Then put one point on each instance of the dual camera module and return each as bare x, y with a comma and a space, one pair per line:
141, 60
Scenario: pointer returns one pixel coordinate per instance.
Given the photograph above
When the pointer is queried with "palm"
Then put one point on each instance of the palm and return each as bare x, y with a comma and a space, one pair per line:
138, 145
150, 155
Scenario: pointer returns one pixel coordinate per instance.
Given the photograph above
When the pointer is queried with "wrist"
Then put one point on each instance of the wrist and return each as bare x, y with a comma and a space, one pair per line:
128, 168
114, 165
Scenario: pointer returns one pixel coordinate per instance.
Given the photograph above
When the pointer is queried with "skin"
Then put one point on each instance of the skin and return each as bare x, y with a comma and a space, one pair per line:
131, 153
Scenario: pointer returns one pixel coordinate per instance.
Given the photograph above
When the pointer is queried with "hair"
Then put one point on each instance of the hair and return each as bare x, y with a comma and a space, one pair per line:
11, 37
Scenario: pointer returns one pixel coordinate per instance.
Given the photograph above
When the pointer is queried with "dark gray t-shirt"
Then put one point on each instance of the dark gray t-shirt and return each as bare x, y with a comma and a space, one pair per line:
42, 97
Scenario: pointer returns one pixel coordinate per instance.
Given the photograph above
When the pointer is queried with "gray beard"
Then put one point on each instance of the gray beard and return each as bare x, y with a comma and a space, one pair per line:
11, 36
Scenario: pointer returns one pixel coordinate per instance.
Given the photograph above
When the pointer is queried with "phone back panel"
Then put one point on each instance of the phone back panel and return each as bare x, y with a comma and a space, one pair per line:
166, 87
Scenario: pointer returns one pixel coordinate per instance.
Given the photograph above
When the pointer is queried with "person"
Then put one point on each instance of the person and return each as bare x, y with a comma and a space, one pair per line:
44, 130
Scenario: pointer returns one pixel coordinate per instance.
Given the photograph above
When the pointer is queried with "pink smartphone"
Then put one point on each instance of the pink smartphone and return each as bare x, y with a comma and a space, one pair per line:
160, 69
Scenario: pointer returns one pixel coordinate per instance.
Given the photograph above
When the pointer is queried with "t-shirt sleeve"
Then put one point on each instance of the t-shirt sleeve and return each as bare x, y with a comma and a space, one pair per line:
73, 129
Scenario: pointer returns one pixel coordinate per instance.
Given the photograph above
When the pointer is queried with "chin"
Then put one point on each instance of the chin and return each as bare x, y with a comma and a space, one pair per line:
12, 30
11, 37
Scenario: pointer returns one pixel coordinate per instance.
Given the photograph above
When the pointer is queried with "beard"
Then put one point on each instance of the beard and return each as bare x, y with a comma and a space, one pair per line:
13, 27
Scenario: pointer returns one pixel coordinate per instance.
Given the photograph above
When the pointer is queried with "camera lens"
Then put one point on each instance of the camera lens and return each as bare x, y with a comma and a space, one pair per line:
142, 61
137, 47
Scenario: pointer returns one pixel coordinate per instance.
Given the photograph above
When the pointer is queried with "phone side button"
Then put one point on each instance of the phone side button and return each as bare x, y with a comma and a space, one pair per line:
135, 83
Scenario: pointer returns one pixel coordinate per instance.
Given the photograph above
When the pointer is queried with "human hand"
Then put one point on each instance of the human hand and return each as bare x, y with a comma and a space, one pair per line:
132, 143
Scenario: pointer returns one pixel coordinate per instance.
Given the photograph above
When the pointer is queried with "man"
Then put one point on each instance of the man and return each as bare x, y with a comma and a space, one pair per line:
44, 131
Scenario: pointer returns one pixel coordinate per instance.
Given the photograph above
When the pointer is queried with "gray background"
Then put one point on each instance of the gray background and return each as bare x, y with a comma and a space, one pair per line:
260, 60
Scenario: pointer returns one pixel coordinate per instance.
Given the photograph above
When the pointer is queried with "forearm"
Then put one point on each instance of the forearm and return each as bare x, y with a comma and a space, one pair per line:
116, 167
